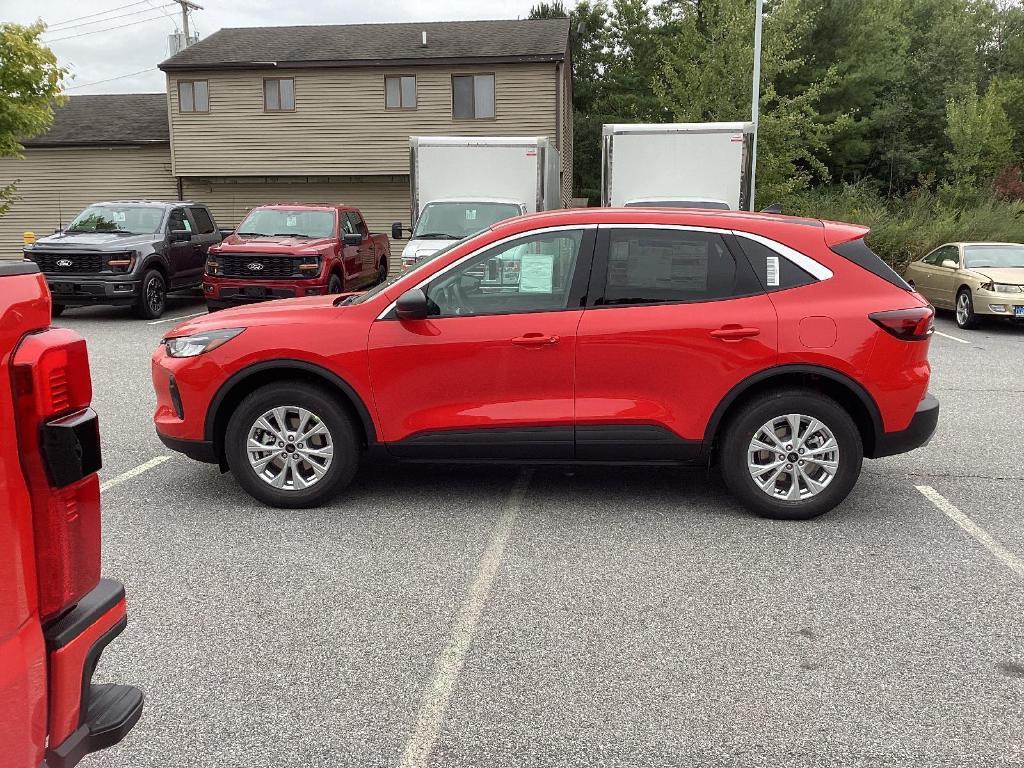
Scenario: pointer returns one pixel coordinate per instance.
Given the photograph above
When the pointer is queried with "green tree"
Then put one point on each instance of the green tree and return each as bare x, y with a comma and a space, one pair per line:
552, 10
981, 138
30, 86
705, 57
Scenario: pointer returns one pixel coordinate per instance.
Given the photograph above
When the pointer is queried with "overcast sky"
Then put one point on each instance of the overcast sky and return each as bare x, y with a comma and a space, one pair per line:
97, 51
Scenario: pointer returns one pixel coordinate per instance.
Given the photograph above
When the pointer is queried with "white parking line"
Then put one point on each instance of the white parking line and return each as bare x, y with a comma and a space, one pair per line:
154, 462
954, 338
186, 317
438, 693
1007, 557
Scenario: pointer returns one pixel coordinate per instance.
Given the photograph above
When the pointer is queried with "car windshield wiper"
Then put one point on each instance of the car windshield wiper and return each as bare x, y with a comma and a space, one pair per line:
436, 236
290, 234
254, 234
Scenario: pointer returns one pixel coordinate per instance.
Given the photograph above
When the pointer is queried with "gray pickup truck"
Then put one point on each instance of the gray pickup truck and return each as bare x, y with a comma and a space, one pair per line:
127, 253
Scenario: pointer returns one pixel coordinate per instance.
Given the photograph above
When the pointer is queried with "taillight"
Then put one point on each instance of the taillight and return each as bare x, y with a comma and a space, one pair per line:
58, 441
907, 324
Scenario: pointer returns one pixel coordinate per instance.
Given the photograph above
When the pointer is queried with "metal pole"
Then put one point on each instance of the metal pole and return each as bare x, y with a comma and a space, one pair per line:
756, 98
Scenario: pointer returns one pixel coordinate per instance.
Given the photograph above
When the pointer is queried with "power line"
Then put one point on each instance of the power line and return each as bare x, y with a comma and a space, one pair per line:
111, 79
97, 13
105, 29
113, 18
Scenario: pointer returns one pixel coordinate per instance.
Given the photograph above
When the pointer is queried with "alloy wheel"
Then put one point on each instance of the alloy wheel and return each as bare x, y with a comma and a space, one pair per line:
963, 308
793, 457
290, 448
155, 295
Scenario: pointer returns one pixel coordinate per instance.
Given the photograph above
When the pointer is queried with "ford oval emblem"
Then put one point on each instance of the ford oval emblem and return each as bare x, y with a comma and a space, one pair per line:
63, 262
254, 266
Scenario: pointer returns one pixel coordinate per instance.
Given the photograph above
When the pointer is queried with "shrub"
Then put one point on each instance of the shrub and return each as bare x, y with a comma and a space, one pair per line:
904, 229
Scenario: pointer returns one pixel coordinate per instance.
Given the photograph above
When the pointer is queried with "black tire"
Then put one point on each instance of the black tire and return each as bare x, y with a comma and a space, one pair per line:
747, 421
56, 310
965, 317
334, 285
382, 271
152, 299
328, 409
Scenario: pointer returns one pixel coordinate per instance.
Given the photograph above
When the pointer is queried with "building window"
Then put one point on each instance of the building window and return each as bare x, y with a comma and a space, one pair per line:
193, 96
473, 97
278, 94
400, 92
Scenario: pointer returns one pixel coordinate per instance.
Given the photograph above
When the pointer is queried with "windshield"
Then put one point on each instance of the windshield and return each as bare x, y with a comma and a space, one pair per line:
997, 256
127, 219
271, 222
395, 278
717, 205
458, 220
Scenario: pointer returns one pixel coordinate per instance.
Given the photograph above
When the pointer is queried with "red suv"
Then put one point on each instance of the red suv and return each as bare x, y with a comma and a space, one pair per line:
283, 251
781, 349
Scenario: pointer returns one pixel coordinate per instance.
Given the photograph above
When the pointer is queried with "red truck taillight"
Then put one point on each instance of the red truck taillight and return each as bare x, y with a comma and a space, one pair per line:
58, 439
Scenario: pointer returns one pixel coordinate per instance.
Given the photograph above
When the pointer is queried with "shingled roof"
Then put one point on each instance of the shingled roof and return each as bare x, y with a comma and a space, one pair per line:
108, 119
351, 45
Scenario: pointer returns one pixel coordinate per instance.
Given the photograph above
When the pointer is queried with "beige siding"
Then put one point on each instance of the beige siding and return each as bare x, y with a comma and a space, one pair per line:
340, 125
380, 202
55, 184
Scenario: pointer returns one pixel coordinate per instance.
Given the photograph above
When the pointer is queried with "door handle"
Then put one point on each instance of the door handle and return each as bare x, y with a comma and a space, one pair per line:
735, 332
534, 340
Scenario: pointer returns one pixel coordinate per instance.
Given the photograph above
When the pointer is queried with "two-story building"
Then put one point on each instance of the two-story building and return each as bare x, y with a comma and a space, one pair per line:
324, 113
298, 114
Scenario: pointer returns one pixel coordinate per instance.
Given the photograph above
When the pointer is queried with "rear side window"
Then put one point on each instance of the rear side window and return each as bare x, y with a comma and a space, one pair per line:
658, 266
774, 272
203, 220
858, 252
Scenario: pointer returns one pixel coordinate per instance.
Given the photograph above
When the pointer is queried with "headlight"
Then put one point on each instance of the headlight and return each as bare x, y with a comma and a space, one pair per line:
213, 264
309, 266
1002, 288
121, 263
198, 343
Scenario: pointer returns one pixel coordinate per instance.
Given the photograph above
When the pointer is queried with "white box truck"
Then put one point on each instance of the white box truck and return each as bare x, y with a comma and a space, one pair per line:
460, 185
678, 165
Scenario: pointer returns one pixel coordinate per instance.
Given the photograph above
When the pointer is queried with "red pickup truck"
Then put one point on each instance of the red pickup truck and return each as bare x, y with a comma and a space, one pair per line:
56, 613
283, 251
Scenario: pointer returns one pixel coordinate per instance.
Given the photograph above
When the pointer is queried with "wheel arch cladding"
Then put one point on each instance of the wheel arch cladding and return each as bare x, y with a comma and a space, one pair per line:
853, 398
240, 384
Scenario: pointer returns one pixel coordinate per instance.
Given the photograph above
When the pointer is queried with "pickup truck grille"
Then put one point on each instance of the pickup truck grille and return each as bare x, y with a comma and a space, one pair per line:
269, 267
71, 263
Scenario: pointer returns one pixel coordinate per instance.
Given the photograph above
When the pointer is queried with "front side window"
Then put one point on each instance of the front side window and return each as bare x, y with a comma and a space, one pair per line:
400, 92
530, 274
178, 221
347, 226
278, 94
948, 252
473, 97
193, 96
658, 266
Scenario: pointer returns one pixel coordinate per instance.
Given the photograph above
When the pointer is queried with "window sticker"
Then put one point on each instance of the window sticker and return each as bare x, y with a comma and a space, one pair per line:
291, 220
536, 273
471, 214
772, 271
119, 216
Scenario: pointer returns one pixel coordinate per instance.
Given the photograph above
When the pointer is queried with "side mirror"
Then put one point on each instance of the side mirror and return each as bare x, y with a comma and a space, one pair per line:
950, 264
350, 238
180, 235
396, 230
412, 305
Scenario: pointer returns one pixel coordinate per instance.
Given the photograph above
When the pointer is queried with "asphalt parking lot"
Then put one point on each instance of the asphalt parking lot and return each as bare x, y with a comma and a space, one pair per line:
618, 617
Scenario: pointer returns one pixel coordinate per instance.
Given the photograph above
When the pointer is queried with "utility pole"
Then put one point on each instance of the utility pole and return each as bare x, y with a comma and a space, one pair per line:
187, 5
756, 99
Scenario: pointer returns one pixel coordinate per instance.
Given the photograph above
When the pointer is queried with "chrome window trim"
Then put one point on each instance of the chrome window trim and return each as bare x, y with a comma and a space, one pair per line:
478, 251
816, 269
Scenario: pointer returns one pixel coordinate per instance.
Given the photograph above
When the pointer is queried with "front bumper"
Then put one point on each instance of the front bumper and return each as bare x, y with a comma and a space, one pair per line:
918, 432
86, 291
222, 292
999, 304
